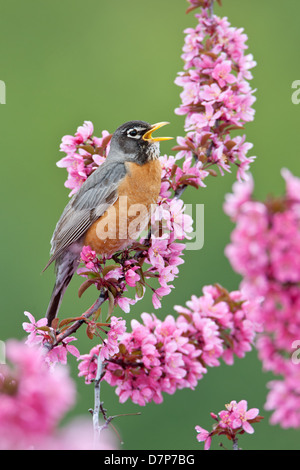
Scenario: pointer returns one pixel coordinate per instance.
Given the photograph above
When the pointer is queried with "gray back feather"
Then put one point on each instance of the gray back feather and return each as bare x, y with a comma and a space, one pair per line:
95, 196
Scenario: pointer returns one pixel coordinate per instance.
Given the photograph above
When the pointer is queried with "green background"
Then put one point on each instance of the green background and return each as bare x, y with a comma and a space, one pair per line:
109, 61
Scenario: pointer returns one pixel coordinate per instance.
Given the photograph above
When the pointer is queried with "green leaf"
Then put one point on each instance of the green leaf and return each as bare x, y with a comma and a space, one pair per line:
139, 289
90, 274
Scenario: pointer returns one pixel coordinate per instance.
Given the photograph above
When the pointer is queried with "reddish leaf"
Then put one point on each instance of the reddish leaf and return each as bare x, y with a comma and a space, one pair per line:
90, 331
54, 323
173, 171
204, 139
230, 144
67, 321
87, 148
178, 148
84, 286
212, 172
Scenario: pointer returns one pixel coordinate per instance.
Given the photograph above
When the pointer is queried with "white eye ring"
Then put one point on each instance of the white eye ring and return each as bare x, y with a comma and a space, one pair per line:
133, 133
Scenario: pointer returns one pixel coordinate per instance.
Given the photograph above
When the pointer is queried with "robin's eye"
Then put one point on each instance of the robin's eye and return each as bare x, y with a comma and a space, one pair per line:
132, 133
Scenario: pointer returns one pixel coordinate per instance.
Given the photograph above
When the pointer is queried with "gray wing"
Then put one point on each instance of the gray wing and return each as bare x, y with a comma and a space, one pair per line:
95, 196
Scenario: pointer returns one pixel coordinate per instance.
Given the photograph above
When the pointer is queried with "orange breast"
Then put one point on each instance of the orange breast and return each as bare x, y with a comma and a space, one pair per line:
124, 221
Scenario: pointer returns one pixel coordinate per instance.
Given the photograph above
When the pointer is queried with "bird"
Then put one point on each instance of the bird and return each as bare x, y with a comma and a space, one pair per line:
127, 183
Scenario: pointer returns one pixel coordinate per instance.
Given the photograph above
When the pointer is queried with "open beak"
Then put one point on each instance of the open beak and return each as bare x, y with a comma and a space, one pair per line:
148, 135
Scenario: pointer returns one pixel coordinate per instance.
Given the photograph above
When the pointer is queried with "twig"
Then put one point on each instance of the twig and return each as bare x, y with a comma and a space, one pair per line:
235, 445
97, 402
77, 324
98, 407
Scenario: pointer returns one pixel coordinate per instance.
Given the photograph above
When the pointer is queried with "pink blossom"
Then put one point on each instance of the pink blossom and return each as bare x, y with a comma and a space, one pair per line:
239, 416
211, 93
33, 397
241, 193
156, 253
89, 257
231, 422
156, 301
88, 366
206, 120
180, 223
292, 185
283, 400
221, 73
203, 435
36, 335
59, 353
110, 344
124, 303
132, 277
85, 132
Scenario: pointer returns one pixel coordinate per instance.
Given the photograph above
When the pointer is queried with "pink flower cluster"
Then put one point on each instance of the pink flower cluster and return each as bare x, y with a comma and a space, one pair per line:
110, 345
235, 420
163, 356
33, 397
216, 96
41, 334
85, 153
176, 177
265, 250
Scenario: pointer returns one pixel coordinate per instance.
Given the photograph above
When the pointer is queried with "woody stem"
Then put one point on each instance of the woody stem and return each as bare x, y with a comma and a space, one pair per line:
235, 445
97, 401
77, 324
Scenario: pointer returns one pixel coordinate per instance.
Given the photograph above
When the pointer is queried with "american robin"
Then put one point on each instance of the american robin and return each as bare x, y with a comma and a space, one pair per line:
130, 178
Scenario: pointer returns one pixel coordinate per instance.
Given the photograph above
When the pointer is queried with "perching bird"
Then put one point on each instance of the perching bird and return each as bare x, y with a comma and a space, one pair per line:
126, 184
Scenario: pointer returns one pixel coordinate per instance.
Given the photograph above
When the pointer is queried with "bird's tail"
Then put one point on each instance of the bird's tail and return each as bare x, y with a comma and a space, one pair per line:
66, 266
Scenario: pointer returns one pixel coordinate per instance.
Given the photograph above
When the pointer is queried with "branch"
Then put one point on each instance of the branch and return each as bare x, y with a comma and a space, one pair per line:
97, 402
77, 324
235, 445
98, 407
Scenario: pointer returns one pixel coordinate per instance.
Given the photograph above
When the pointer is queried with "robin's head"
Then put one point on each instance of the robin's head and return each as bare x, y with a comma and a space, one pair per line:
133, 141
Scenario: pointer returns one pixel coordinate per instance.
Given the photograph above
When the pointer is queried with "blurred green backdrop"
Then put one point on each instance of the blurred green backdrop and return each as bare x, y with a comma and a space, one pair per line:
67, 61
